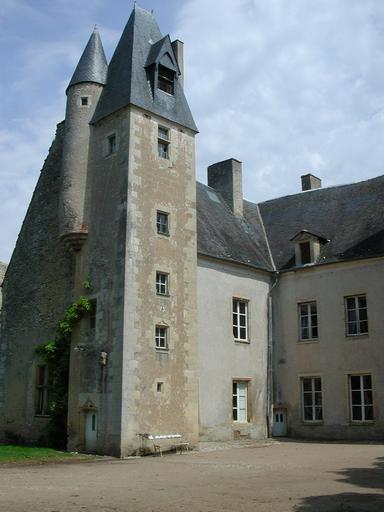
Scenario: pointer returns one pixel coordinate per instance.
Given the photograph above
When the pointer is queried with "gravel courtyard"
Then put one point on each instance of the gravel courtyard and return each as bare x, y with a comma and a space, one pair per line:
286, 476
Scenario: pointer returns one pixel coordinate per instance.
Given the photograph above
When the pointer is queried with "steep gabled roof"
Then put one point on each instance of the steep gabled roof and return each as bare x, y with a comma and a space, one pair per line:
222, 235
127, 81
351, 217
92, 66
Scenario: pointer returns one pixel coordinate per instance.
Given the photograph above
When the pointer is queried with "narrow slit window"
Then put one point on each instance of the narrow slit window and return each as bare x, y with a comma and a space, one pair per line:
42, 391
163, 142
112, 146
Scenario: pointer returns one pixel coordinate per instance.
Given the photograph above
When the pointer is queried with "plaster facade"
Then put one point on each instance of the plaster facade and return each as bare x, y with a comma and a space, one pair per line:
222, 360
334, 355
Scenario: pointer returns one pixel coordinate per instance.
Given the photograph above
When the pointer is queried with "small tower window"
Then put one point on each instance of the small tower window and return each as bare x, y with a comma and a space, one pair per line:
166, 80
160, 387
161, 337
163, 142
162, 223
84, 101
161, 283
112, 144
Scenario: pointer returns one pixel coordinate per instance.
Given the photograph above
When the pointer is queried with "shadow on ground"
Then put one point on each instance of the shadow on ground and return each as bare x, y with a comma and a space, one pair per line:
372, 478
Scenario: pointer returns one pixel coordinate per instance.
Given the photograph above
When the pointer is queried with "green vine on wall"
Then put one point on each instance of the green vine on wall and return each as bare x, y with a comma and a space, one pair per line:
56, 354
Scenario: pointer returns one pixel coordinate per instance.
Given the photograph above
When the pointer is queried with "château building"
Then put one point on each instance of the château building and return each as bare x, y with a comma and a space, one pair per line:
213, 317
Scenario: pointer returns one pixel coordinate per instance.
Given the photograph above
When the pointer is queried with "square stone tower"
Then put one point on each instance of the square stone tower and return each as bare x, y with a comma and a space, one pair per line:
135, 369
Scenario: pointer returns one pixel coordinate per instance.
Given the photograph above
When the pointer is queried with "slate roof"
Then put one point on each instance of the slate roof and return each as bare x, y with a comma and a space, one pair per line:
351, 217
127, 81
92, 66
221, 235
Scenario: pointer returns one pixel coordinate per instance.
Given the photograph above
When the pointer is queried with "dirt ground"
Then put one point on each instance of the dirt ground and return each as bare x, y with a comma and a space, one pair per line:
281, 477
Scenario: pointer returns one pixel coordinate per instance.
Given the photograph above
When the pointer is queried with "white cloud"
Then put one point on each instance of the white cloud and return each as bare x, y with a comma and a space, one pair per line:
287, 87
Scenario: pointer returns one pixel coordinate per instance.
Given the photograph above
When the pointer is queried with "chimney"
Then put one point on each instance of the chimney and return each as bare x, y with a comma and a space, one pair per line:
178, 50
225, 177
310, 182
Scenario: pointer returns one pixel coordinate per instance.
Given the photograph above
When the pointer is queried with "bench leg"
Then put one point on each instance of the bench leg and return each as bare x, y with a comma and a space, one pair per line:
157, 450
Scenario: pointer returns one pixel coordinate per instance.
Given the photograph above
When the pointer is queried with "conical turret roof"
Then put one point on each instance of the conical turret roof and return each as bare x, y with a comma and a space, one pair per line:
127, 82
92, 66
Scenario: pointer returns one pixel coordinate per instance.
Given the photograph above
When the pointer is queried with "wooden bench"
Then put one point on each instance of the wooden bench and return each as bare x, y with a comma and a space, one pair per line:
180, 445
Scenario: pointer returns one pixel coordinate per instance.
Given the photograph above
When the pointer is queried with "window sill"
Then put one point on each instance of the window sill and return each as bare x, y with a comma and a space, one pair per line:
246, 342
166, 295
306, 342
162, 350
365, 423
166, 235
315, 423
356, 336
238, 422
42, 415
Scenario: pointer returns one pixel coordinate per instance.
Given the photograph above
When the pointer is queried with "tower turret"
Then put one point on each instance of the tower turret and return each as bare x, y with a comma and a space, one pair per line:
83, 93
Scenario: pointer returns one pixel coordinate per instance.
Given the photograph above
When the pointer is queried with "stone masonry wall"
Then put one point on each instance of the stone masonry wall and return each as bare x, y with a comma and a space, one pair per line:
36, 291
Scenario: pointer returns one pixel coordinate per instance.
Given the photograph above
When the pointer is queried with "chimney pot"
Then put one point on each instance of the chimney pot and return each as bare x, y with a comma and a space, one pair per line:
178, 49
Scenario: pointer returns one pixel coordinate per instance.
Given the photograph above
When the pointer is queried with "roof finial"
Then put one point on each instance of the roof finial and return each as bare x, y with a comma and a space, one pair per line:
95, 28
134, 5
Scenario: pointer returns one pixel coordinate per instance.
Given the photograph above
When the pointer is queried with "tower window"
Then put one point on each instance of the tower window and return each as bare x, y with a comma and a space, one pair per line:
166, 80
42, 391
161, 283
162, 223
84, 101
163, 142
161, 337
112, 145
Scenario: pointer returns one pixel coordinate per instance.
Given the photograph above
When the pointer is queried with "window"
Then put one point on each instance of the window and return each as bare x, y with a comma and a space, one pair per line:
361, 397
305, 252
112, 144
161, 337
357, 315
163, 142
42, 391
161, 283
84, 101
312, 406
92, 314
240, 319
308, 321
160, 387
162, 223
240, 401
166, 80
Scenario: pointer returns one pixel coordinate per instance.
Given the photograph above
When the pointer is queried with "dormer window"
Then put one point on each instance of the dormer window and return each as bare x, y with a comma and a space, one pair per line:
305, 252
307, 247
166, 80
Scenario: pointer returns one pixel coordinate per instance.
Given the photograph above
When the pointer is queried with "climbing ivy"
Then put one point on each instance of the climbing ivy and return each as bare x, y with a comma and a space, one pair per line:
56, 355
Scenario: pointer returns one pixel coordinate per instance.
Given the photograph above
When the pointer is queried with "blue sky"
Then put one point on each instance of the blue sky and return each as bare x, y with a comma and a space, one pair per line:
285, 86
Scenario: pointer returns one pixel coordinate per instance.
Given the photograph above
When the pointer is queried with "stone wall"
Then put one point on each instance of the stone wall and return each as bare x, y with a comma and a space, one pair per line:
36, 291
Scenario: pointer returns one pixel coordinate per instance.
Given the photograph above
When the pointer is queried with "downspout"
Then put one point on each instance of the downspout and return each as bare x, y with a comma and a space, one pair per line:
270, 355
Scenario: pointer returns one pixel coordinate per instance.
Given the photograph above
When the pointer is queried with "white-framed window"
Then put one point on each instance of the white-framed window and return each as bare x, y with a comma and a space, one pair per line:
308, 328
356, 315
240, 319
161, 337
361, 397
163, 142
162, 223
311, 399
162, 282
42, 390
240, 401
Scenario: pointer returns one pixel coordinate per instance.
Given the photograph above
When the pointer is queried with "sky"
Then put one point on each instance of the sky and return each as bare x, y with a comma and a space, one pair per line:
286, 86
